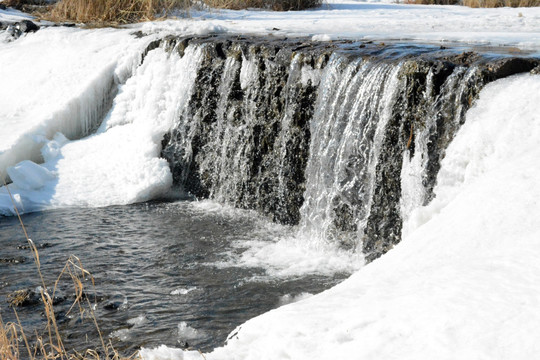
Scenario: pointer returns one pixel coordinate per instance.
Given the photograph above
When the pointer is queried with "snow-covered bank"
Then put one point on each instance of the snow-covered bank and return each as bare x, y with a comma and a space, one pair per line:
59, 80
120, 163
462, 284
358, 20
63, 79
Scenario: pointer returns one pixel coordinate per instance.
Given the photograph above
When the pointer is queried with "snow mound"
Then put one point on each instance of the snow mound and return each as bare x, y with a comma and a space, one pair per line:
59, 80
462, 284
121, 162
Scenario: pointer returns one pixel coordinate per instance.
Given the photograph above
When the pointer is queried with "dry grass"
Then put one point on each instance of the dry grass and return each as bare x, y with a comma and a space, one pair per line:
128, 11
113, 11
433, 2
277, 5
500, 3
14, 344
479, 3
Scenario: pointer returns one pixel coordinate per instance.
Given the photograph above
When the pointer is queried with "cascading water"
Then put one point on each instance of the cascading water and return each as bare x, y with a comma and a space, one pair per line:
245, 138
343, 145
350, 117
343, 141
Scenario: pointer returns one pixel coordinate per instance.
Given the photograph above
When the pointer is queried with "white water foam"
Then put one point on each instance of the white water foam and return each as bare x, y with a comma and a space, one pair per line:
183, 291
281, 250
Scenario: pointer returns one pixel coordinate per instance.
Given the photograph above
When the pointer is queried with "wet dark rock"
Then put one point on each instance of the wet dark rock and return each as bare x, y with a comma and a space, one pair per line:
245, 140
2, 7
112, 302
39, 246
16, 30
507, 67
27, 26
13, 260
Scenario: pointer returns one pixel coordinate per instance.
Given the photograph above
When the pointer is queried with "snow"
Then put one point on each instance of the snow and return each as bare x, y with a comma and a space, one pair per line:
120, 163
59, 80
518, 28
461, 284
11, 15
63, 80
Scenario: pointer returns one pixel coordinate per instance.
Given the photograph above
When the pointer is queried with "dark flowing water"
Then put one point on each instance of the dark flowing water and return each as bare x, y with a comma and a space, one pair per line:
159, 272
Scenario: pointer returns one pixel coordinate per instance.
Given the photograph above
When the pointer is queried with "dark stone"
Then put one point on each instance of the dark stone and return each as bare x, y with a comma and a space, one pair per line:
27, 26
18, 29
13, 260
247, 145
2, 6
506, 67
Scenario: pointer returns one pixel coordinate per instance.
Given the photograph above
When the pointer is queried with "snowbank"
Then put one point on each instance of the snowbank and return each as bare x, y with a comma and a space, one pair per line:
59, 80
120, 163
10, 15
517, 28
63, 80
462, 284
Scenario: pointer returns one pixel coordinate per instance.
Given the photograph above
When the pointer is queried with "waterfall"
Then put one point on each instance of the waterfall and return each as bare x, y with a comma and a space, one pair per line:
342, 143
245, 138
351, 113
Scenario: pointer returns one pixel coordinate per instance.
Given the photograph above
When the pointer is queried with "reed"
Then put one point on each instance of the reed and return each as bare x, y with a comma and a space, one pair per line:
500, 3
113, 11
14, 344
107, 12
276, 5
479, 3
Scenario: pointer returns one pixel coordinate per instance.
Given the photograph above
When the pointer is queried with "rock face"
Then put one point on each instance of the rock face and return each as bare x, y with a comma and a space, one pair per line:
325, 136
245, 139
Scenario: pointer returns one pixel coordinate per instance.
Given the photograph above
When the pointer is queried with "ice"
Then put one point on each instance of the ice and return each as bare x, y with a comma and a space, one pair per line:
11, 15
186, 332
162, 353
126, 333
59, 80
248, 73
183, 291
139, 320
29, 175
462, 284
121, 162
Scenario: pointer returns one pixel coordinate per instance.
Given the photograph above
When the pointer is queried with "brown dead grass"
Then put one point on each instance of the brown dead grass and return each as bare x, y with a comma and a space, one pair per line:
113, 11
277, 5
128, 11
479, 3
500, 3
